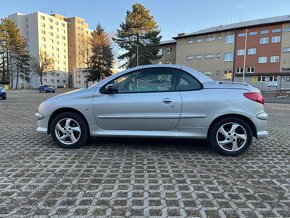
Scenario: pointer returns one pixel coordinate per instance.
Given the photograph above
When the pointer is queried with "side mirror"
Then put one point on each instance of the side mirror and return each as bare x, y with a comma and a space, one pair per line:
110, 89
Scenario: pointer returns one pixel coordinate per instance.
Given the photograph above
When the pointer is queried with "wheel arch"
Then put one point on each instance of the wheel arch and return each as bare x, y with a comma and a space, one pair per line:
244, 118
63, 110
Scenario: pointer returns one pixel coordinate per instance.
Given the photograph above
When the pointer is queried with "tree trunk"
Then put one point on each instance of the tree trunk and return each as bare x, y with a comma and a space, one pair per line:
40, 75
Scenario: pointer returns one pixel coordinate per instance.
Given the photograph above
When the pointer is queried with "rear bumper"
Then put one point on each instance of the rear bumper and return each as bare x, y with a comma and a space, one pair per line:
260, 122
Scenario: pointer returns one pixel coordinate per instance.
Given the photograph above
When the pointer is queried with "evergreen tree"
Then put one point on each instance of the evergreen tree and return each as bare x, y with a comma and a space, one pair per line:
101, 59
139, 37
14, 45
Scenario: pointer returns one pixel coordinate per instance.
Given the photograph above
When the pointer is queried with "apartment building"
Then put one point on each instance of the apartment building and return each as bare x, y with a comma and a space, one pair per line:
47, 34
167, 52
256, 52
78, 44
210, 52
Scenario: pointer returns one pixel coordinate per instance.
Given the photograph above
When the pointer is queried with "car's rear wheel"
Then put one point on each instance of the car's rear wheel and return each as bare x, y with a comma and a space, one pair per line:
69, 130
231, 136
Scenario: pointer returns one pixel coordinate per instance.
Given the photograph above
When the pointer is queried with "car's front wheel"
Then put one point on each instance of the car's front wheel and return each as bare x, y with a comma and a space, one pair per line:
231, 136
69, 130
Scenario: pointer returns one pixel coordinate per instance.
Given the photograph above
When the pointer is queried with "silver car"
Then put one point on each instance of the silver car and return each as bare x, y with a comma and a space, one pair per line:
169, 101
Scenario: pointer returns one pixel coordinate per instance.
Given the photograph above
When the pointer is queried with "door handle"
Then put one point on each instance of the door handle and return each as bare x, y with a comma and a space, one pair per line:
167, 101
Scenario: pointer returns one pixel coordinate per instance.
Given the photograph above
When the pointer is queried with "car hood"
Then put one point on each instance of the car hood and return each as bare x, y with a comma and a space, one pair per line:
229, 85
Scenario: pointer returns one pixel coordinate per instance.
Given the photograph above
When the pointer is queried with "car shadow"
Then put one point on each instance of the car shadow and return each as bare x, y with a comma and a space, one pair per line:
150, 143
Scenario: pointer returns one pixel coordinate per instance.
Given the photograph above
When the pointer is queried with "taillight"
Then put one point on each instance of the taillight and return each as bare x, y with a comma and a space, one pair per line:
255, 96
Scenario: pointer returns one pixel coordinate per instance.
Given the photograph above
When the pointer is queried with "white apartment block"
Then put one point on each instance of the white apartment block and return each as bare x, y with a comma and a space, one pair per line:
80, 77
45, 33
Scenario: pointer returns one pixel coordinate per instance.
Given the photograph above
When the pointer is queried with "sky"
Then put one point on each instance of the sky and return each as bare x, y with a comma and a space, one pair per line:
172, 16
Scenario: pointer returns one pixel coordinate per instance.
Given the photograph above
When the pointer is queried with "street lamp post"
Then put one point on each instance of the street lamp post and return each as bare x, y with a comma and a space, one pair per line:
137, 47
245, 56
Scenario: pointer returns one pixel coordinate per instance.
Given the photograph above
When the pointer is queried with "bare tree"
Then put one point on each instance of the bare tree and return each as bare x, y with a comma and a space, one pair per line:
85, 51
41, 64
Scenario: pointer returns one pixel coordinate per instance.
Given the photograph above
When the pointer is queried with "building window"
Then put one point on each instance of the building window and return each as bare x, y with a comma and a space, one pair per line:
228, 57
190, 41
63, 25
51, 34
241, 52
63, 31
51, 47
198, 57
169, 62
264, 40
43, 46
189, 57
43, 39
276, 30
169, 50
50, 20
250, 70
242, 35
51, 54
51, 27
252, 51
262, 60
274, 59
273, 79
252, 33
261, 79
43, 31
160, 51
63, 37
42, 17
287, 29
239, 70
219, 55
43, 24
276, 39
64, 50
208, 56
230, 39
64, 44
285, 50
199, 40
209, 39
262, 32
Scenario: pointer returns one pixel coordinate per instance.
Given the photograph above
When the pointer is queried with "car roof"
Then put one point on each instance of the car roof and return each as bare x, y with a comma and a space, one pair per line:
198, 75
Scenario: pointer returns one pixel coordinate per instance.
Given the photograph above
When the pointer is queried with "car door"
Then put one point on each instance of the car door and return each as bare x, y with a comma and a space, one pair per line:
195, 108
142, 100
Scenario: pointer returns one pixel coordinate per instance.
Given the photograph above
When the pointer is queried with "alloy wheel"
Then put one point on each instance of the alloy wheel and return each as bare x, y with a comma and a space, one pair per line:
231, 136
67, 131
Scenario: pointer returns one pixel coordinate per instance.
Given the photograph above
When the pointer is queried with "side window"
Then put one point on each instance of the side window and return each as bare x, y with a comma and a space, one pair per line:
186, 82
146, 80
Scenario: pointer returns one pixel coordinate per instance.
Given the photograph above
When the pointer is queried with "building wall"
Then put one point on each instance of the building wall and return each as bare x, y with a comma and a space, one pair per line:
168, 52
206, 54
262, 50
44, 33
80, 77
285, 55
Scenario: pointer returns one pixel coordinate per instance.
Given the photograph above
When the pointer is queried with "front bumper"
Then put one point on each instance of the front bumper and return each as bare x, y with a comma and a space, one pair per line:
42, 123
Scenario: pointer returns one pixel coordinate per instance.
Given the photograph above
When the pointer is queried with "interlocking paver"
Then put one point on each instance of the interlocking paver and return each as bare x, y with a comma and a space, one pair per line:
137, 177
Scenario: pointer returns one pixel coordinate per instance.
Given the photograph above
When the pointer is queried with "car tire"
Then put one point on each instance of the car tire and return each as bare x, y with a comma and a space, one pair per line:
4, 97
230, 136
69, 130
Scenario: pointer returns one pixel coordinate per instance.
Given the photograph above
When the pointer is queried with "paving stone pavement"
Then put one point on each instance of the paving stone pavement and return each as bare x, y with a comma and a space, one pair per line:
138, 177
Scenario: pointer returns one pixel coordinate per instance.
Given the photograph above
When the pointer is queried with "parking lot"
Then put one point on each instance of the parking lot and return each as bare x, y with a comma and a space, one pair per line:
130, 177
